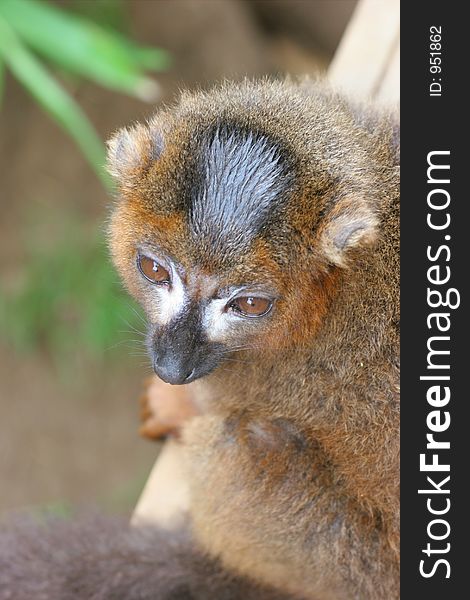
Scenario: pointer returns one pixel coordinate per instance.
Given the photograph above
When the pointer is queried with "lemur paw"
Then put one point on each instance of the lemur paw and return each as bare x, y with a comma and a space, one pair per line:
164, 408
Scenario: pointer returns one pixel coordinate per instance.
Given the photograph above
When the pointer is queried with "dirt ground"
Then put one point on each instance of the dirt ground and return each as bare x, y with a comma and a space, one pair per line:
73, 439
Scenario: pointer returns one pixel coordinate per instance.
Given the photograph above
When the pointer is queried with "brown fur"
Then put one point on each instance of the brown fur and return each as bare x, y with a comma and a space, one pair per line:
293, 465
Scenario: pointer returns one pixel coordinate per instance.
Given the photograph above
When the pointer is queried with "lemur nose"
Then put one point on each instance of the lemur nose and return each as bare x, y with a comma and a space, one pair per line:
173, 371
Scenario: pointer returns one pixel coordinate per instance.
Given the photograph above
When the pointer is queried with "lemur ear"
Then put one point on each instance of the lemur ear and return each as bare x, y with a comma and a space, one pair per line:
132, 149
351, 223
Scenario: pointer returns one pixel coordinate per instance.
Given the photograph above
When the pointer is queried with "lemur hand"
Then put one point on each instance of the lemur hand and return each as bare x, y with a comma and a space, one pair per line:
164, 408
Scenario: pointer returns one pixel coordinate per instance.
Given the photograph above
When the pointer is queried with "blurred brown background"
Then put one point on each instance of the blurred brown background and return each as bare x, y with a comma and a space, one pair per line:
69, 408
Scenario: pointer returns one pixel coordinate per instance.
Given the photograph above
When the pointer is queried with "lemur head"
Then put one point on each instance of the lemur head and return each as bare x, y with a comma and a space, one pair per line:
234, 219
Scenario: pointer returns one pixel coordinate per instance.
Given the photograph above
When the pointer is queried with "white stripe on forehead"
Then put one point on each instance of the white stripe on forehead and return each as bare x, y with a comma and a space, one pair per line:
243, 176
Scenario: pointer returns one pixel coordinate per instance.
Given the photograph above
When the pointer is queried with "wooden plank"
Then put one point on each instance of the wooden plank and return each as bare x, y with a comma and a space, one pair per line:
165, 498
368, 44
389, 91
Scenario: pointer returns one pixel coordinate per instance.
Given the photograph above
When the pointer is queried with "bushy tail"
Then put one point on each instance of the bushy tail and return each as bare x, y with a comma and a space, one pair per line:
102, 558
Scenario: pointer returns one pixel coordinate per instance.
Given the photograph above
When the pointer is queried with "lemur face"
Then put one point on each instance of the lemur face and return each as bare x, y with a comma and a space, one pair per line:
232, 225
201, 271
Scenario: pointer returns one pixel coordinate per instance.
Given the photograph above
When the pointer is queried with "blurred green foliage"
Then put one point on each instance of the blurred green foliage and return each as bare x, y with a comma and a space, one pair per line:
67, 299
33, 31
112, 14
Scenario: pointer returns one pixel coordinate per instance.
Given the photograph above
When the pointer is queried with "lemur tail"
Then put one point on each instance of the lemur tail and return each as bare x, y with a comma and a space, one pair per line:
99, 558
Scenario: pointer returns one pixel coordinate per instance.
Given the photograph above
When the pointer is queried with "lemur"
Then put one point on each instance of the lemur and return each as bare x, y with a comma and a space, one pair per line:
258, 226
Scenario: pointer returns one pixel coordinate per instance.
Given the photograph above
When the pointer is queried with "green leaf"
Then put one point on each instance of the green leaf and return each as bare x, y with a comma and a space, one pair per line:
47, 91
83, 47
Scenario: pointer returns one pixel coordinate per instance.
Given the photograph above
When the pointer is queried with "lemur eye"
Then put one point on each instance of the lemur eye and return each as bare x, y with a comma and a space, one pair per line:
152, 270
250, 306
